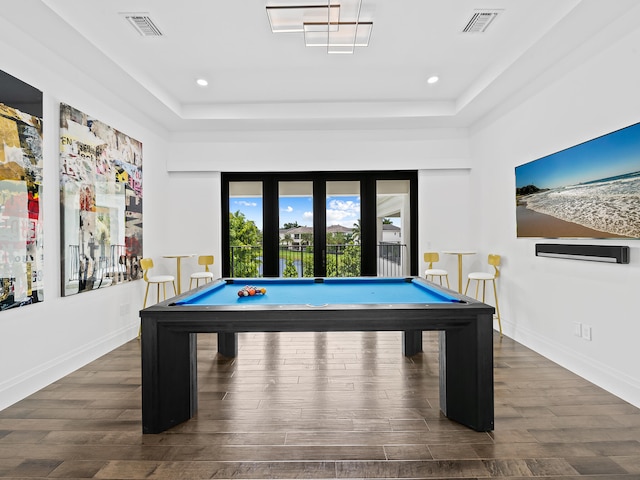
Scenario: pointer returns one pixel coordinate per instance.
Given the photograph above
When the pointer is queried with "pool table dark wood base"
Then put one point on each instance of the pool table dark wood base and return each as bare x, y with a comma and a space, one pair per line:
169, 351
411, 344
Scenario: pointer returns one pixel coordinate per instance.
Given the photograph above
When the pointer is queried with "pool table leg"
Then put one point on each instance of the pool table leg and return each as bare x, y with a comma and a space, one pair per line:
228, 344
169, 376
412, 342
466, 374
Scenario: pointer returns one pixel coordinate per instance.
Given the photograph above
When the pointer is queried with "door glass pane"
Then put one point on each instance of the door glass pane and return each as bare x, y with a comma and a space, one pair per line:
393, 224
245, 229
342, 250
295, 212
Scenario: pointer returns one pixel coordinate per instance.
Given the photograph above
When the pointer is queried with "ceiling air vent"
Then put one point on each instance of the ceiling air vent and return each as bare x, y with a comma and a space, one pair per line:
143, 24
480, 21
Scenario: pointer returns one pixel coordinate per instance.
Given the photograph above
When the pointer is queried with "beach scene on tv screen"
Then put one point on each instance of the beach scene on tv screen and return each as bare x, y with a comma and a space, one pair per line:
591, 190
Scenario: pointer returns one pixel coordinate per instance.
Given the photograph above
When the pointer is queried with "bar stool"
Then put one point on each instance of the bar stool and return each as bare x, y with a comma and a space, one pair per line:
484, 277
431, 258
206, 275
146, 264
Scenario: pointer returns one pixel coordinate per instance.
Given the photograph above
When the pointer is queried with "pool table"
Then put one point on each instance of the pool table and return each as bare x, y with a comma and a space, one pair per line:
410, 305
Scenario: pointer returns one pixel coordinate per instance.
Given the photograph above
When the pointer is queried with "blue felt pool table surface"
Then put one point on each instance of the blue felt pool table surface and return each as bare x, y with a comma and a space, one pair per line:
319, 292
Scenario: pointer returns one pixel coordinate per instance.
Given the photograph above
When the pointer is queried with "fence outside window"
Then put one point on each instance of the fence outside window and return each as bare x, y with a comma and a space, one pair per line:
343, 260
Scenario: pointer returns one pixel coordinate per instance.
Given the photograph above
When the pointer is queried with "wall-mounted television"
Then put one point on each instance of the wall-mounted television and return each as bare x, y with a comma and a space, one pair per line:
590, 190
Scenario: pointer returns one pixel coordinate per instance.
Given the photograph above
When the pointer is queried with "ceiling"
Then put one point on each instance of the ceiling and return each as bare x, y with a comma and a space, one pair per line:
260, 79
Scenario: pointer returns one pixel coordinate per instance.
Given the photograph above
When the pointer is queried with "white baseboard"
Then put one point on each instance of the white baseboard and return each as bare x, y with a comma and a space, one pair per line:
613, 381
34, 379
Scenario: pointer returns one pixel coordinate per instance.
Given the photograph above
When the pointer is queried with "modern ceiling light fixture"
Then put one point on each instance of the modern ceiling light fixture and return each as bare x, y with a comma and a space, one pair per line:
324, 25
291, 19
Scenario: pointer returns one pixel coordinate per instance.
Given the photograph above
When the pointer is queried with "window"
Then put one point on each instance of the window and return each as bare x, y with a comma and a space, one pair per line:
316, 224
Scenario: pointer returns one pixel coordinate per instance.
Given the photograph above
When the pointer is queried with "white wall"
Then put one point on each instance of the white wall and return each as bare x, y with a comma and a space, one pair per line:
319, 150
440, 155
40, 343
541, 298
194, 216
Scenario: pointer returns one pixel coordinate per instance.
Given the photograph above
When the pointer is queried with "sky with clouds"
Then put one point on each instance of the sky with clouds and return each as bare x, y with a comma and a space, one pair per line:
341, 210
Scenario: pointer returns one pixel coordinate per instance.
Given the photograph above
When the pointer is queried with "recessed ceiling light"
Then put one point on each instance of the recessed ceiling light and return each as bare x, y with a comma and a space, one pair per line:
433, 79
202, 82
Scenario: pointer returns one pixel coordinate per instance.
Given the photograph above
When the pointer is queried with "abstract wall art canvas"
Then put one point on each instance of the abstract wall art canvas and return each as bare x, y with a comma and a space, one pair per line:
101, 203
21, 232
586, 191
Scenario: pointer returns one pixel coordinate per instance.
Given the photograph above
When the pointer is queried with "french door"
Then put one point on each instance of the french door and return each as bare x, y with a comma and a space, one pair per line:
317, 224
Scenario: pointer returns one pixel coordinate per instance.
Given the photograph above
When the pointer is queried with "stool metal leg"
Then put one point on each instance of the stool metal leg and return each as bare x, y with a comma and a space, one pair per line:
495, 292
146, 293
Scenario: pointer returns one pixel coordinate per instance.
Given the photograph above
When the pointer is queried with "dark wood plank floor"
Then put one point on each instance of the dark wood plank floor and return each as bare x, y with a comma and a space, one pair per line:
322, 405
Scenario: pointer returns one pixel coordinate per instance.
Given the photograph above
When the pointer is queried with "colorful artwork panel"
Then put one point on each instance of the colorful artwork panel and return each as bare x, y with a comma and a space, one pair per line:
101, 197
21, 237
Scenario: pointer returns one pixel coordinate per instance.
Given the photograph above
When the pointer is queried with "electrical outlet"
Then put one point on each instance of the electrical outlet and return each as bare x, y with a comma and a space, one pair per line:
586, 332
577, 329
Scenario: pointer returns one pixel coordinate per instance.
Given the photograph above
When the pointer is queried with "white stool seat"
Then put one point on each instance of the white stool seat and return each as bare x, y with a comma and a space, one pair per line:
437, 272
160, 278
481, 276
202, 275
